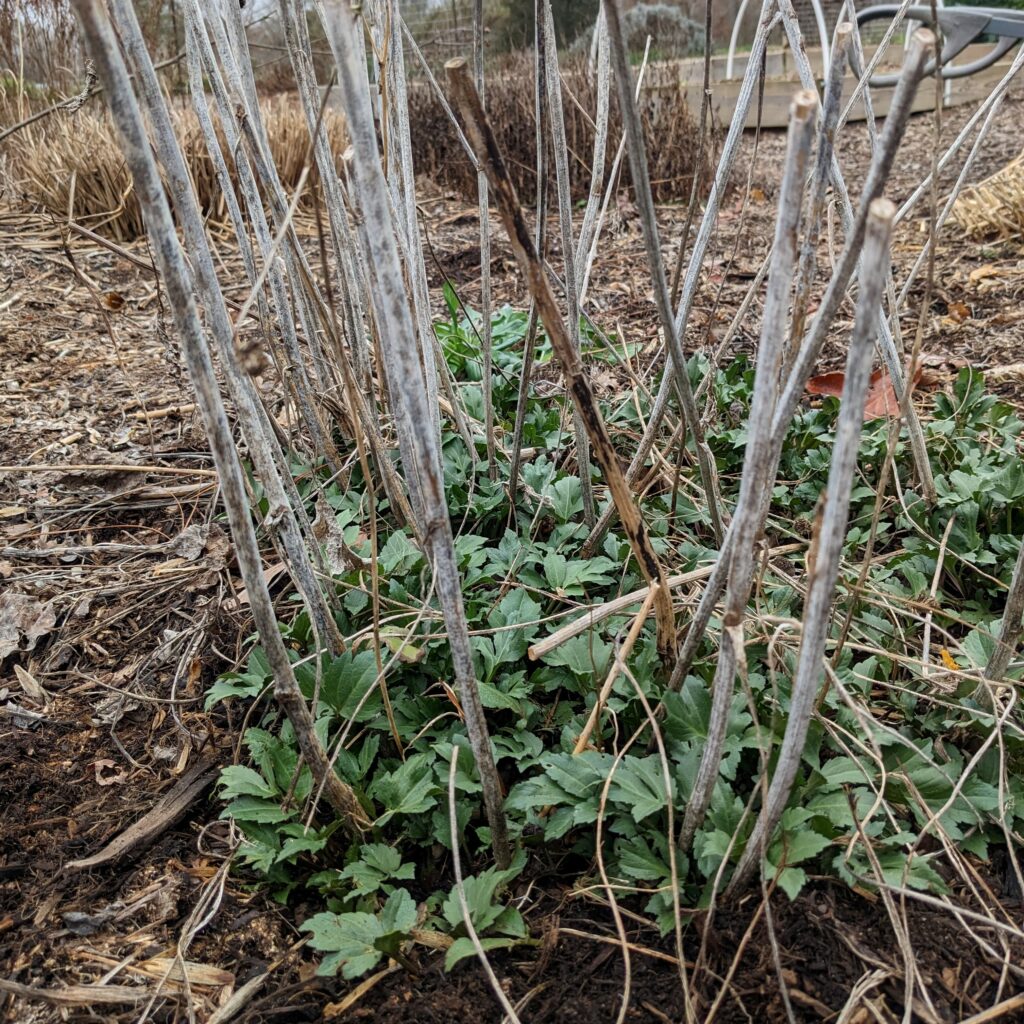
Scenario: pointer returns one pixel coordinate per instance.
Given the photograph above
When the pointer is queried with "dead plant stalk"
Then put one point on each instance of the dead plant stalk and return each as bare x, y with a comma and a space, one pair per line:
485, 146
758, 469
169, 258
417, 436
645, 202
818, 612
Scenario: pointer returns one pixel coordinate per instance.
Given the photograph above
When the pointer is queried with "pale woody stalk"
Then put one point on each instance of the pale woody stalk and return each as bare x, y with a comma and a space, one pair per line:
296, 38
170, 262
483, 208
832, 533
560, 149
730, 151
417, 436
401, 177
645, 203
603, 77
201, 62
888, 348
820, 177
283, 520
807, 356
236, 128
540, 106
485, 146
758, 470
589, 227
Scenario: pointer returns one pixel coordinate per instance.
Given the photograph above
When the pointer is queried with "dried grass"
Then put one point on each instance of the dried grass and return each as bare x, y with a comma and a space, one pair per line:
669, 130
995, 206
71, 165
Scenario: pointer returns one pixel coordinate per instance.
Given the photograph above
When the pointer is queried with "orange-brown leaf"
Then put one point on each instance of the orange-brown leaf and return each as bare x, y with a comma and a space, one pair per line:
879, 401
827, 384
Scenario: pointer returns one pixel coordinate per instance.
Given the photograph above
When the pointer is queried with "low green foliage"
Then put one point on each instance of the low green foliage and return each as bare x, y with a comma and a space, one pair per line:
899, 757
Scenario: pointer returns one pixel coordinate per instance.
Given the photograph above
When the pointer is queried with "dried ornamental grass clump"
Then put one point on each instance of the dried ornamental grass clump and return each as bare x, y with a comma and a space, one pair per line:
72, 167
995, 206
670, 132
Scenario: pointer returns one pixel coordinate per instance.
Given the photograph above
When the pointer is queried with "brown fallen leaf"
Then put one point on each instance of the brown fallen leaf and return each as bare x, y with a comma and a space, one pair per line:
880, 399
269, 575
23, 618
108, 780
984, 272
31, 686
958, 312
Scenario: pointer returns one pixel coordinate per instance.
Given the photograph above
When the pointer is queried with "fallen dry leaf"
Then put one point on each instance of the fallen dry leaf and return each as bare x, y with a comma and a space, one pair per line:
827, 384
190, 542
31, 686
982, 273
269, 575
880, 399
108, 780
958, 312
23, 619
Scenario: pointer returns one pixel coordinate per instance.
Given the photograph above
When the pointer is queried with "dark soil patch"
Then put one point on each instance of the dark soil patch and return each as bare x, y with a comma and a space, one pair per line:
830, 942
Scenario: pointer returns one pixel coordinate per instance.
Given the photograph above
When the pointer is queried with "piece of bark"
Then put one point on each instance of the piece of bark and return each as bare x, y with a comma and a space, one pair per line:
168, 812
78, 995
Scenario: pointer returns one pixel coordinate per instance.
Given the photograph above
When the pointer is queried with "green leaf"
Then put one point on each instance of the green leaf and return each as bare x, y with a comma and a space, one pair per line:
377, 863
639, 785
239, 780
688, 712
346, 685
585, 655
358, 941
638, 862
277, 760
710, 850
569, 577
296, 845
555, 569
463, 947
397, 642
566, 497
245, 684
350, 937
516, 608
399, 556
510, 692
398, 914
355, 601
834, 806
451, 300
250, 808
480, 891
838, 771
794, 847
978, 646
791, 881
410, 789
232, 686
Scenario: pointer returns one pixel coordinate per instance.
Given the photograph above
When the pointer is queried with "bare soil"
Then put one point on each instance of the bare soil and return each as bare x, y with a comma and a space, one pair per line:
127, 608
